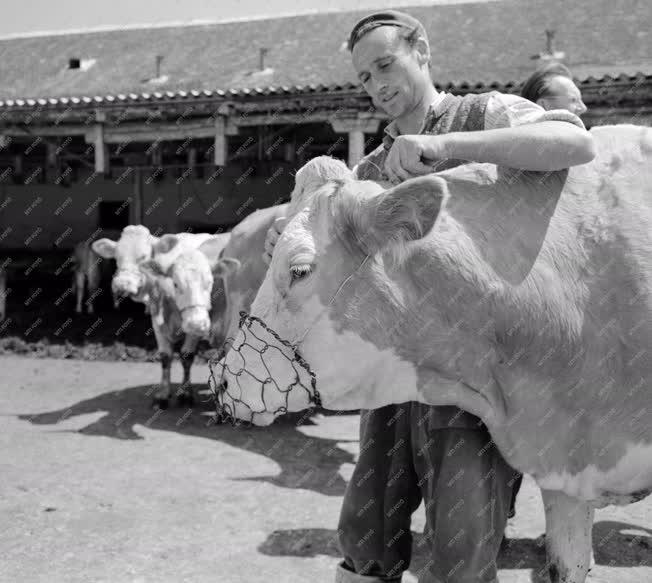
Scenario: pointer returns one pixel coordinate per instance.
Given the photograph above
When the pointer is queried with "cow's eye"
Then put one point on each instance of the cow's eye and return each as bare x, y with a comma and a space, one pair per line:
298, 272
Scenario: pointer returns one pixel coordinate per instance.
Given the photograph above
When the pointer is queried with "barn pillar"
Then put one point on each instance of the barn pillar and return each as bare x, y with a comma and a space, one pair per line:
100, 147
137, 209
356, 128
51, 154
220, 148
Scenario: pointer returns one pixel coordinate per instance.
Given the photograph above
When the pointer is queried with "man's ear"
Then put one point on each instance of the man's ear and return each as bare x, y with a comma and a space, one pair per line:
165, 244
423, 51
401, 214
104, 248
225, 267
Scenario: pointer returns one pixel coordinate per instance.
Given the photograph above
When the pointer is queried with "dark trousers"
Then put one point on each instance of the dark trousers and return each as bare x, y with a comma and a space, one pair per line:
407, 456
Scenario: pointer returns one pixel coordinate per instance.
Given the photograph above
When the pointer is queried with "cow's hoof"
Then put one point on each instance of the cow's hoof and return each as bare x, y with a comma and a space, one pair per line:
161, 403
185, 399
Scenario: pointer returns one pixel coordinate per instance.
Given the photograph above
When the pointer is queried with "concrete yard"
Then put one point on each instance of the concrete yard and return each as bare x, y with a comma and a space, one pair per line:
97, 487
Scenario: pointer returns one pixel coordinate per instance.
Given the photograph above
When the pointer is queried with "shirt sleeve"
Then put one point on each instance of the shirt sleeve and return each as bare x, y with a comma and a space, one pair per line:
508, 111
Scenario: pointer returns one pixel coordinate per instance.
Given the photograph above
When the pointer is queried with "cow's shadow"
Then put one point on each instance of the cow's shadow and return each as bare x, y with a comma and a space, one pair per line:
615, 544
306, 462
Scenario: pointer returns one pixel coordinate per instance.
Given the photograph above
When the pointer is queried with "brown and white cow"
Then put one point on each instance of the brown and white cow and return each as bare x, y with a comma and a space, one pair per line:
524, 298
242, 268
219, 278
135, 246
189, 277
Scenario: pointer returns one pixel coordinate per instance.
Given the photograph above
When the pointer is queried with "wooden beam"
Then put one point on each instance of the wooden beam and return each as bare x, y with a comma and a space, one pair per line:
51, 154
163, 132
101, 150
220, 146
137, 207
299, 117
18, 164
192, 158
157, 155
344, 125
356, 147
356, 128
58, 130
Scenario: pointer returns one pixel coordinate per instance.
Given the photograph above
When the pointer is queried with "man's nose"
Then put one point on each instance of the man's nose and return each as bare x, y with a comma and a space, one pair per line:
581, 108
379, 86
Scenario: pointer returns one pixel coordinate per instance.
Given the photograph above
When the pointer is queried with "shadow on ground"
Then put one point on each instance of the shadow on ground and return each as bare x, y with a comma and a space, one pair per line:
615, 544
311, 463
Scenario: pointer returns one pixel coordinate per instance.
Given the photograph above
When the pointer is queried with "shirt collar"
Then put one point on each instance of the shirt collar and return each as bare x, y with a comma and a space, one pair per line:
391, 131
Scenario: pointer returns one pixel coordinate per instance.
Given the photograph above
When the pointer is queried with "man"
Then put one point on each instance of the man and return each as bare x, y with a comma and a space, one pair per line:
552, 87
411, 452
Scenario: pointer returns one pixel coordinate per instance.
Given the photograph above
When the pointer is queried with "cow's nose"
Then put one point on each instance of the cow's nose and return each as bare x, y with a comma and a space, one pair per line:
197, 323
124, 288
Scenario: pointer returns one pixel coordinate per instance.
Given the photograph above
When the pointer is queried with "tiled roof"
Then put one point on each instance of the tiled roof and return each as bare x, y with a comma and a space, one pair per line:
484, 45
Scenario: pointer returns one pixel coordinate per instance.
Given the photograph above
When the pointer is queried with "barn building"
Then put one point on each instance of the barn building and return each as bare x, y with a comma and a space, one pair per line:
191, 127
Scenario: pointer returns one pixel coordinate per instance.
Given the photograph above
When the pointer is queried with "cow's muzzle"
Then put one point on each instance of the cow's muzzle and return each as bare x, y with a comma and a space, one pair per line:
258, 339
196, 320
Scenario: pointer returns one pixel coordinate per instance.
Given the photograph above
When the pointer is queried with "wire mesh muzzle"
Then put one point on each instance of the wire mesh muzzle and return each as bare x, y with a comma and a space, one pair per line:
253, 342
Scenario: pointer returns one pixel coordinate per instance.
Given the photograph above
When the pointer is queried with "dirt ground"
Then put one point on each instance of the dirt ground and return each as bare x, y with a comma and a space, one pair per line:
96, 487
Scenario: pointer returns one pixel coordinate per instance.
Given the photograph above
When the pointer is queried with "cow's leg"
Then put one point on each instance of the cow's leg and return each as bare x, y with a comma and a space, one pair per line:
90, 291
164, 392
3, 294
92, 281
188, 351
79, 289
569, 523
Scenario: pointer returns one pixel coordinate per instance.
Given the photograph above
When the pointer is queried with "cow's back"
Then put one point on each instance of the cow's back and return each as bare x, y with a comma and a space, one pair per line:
562, 267
247, 244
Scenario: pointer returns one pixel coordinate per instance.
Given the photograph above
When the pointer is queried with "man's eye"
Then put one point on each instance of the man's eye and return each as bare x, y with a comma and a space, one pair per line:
298, 272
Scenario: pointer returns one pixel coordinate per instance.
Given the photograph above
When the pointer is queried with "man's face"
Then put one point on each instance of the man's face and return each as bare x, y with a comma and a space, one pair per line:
562, 93
392, 73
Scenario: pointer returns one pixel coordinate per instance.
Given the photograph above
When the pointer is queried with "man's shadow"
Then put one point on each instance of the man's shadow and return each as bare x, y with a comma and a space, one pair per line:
311, 463
615, 544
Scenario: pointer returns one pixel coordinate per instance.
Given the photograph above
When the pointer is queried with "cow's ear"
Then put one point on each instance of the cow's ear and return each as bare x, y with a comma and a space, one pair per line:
104, 248
165, 244
225, 267
212, 250
401, 214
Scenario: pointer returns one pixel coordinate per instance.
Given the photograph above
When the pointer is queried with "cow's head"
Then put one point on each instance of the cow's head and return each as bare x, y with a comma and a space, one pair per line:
135, 245
189, 281
324, 300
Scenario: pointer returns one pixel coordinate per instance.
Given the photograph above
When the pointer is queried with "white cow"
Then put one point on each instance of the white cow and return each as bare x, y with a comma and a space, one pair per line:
136, 245
523, 298
189, 278
241, 268
219, 278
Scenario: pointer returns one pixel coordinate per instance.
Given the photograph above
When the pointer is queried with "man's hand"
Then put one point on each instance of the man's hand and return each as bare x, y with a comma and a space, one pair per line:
414, 155
273, 233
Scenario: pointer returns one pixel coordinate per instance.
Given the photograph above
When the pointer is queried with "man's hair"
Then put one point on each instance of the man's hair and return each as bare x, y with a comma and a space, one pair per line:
537, 85
408, 27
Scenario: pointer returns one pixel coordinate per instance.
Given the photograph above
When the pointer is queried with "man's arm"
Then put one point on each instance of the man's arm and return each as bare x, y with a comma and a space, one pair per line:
518, 134
546, 145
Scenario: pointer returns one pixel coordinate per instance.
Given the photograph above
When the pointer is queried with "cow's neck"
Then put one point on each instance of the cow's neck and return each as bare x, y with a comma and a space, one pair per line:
466, 277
